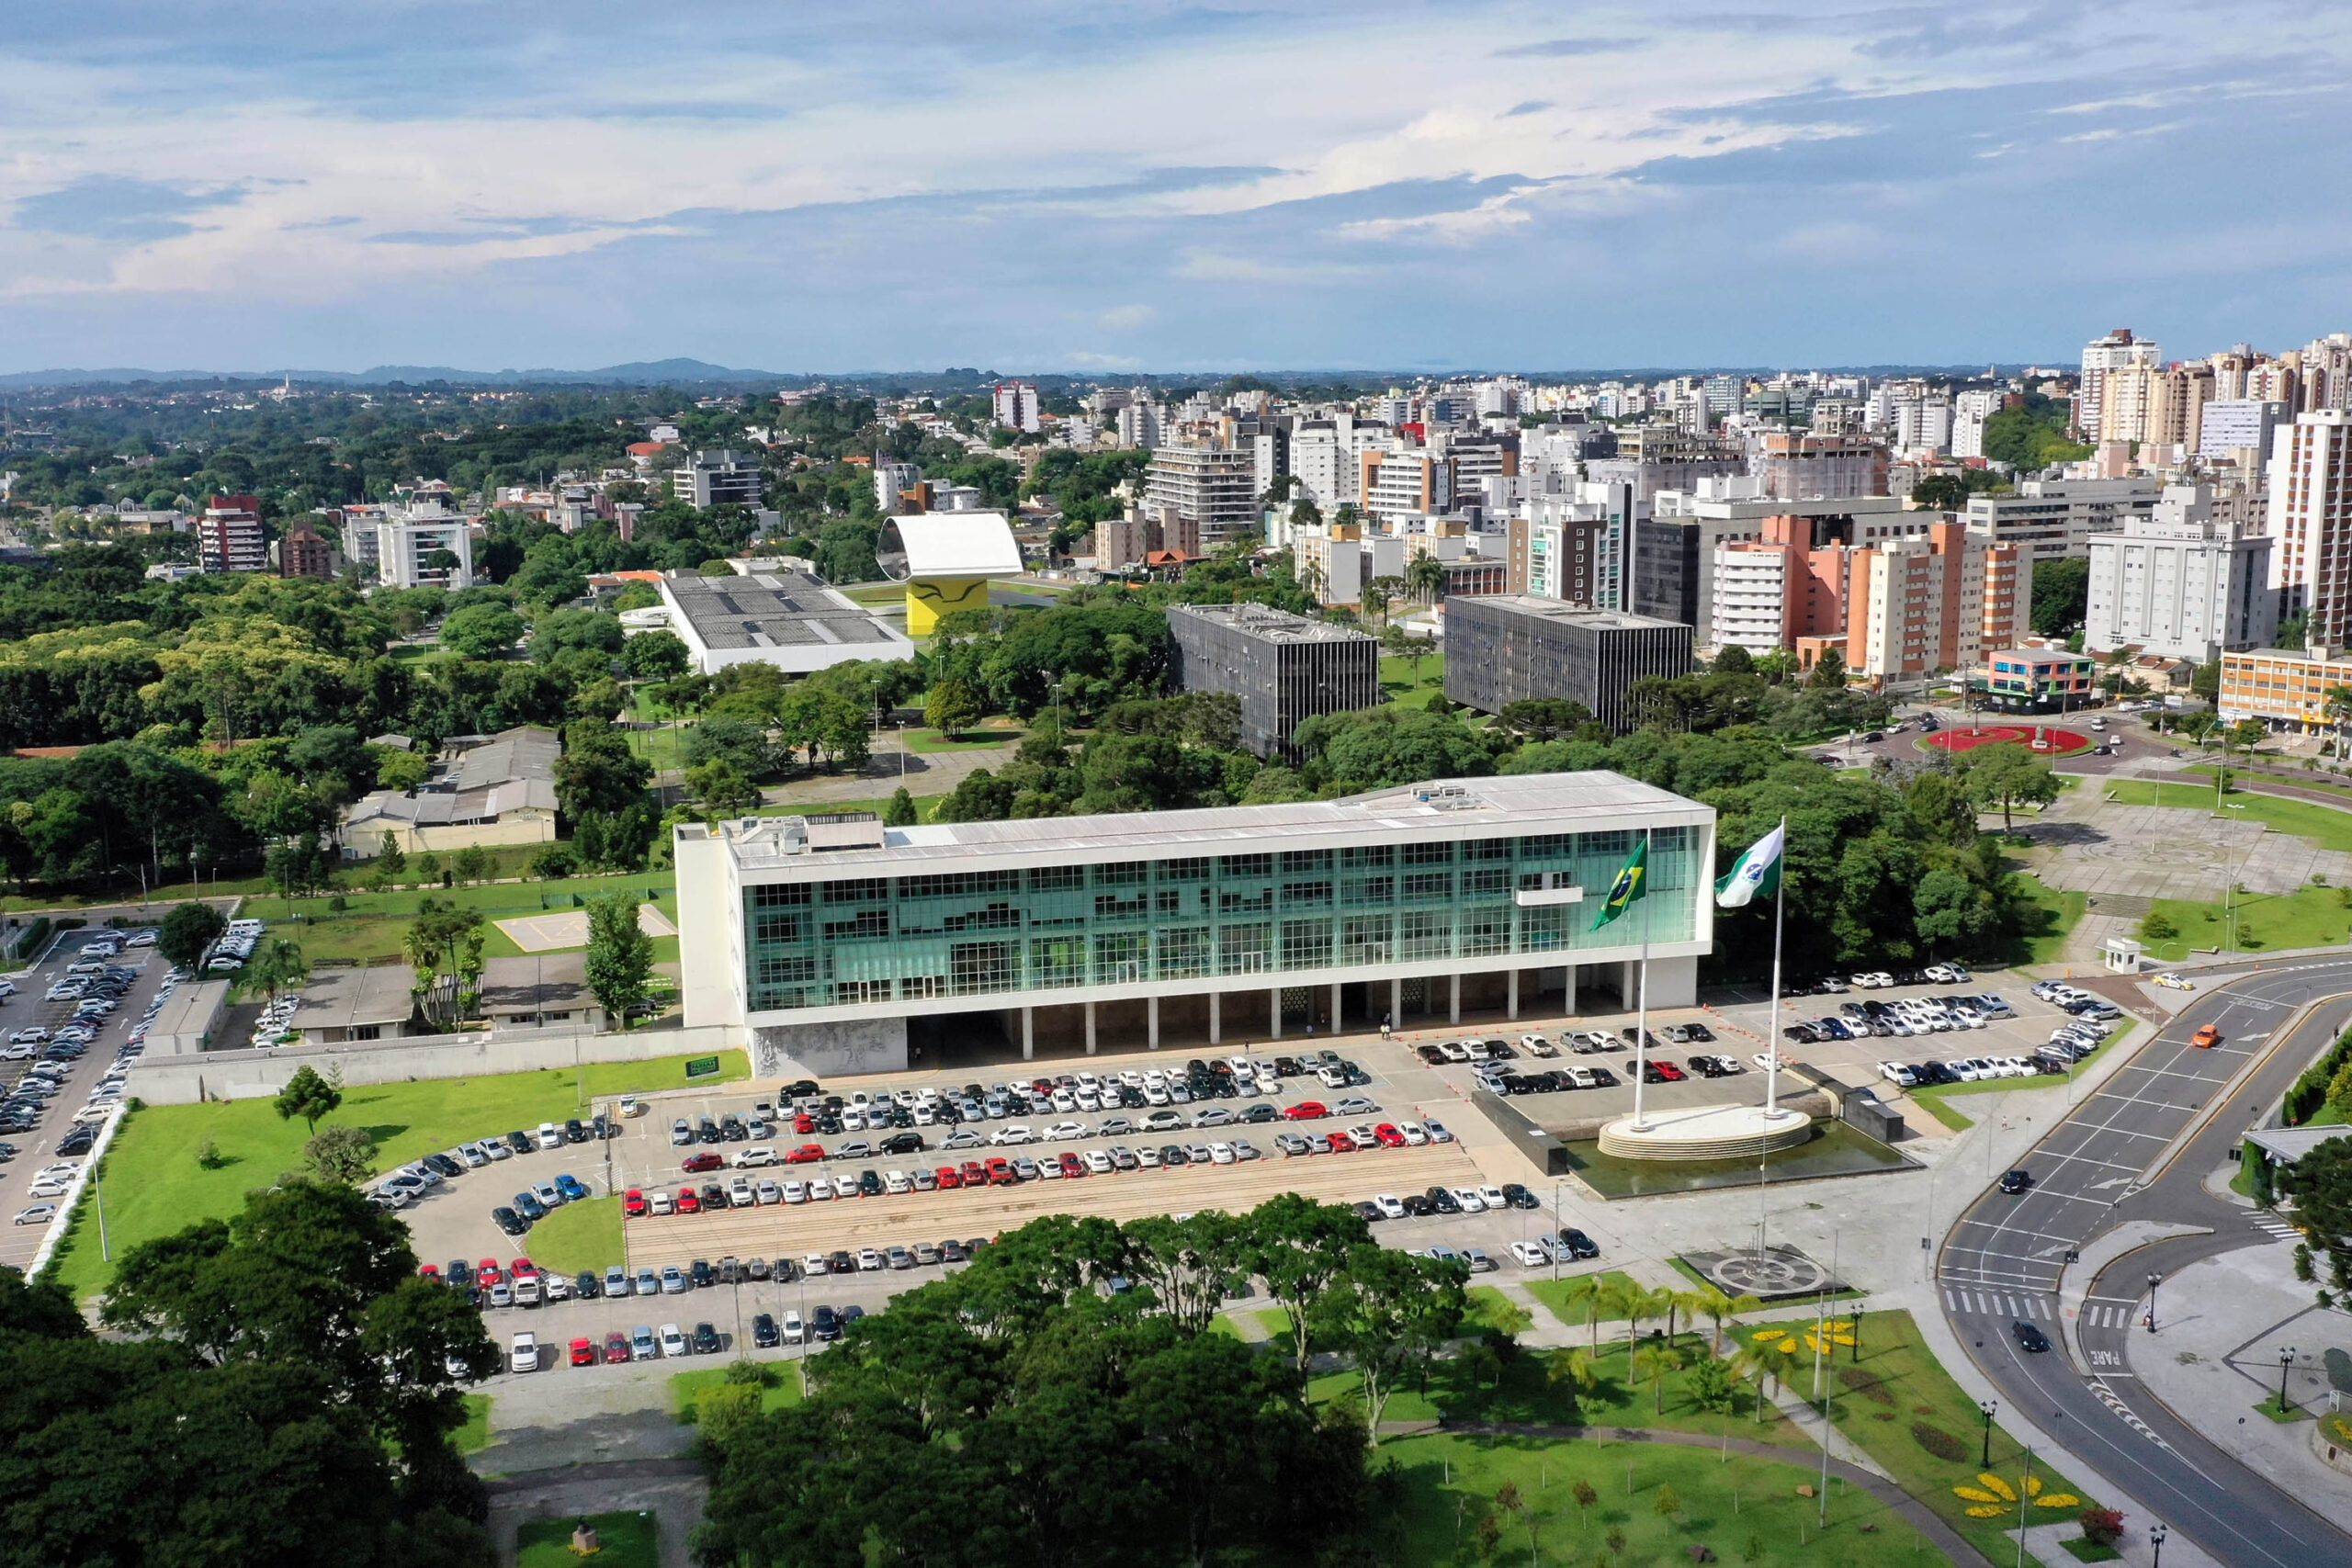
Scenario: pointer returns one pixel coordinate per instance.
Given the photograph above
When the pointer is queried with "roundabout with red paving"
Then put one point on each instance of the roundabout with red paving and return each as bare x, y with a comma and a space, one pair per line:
2040, 738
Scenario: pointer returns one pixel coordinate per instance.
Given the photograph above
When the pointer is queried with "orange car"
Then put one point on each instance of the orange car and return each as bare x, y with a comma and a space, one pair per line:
2206, 1038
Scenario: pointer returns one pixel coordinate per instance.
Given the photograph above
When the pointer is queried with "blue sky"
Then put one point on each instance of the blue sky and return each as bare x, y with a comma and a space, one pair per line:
1064, 187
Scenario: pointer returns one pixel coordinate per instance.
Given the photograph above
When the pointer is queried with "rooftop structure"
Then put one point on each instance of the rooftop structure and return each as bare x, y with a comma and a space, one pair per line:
784, 618
498, 790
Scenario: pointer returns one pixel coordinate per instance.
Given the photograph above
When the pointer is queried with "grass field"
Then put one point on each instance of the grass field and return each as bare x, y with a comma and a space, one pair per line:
625, 1541
474, 1435
1490, 1309
1399, 683
1935, 1105
578, 1236
156, 1187
2326, 825
665, 749
1897, 1385
784, 1388
2309, 916
1555, 1295
976, 739
370, 927
2060, 907
1652, 1505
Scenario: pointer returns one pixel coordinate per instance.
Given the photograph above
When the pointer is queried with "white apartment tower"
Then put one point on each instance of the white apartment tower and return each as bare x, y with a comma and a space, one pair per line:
2118, 350
1016, 405
2181, 583
410, 542
2311, 520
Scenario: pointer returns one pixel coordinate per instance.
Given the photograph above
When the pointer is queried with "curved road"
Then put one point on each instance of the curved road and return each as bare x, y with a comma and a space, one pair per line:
2111, 1162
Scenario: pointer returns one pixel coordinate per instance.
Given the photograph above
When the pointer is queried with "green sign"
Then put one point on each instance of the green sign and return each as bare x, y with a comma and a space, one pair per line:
701, 1066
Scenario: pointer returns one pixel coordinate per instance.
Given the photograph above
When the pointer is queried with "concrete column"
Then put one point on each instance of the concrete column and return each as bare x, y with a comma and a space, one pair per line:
1335, 1006
1510, 1002
1628, 983
1569, 1006
1396, 1003
1028, 1034
1453, 999
1089, 1029
1151, 1021
1216, 1019
1274, 1007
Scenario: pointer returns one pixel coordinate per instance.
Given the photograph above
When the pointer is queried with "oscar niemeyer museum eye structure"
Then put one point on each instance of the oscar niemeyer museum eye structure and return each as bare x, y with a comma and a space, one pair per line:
838, 943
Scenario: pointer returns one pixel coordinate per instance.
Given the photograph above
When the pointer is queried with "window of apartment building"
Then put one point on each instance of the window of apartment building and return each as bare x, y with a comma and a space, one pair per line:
1429, 855
1184, 952
779, 895
1425, 933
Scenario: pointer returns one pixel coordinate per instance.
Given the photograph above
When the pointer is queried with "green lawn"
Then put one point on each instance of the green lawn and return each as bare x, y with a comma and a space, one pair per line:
1898, 1385
784, 1387
2328, 827
154, 1185
1933, 1103
625, 1541
1554, 1294
976, 739
2309, 916
2324, 784
1492, 1310
1412, 681
474, 1435
370, 927
1740, 1509
2059, 909
665, 749
580, 1236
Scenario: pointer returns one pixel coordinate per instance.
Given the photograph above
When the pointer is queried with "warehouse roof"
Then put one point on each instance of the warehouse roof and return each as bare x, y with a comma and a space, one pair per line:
771, 609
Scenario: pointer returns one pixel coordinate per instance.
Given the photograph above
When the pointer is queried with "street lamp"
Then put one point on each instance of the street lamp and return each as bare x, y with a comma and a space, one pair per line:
1988, 1406
2156, 1534
2153, 1280
2286, 1360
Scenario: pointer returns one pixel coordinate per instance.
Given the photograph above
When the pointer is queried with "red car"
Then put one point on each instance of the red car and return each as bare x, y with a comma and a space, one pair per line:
1001, 1173
430, 1271
1073, 1166
1342, 1145
523, 1268
616, 1347
1388, 1136
488, 1273
1670, 1073
689, 1202
804, 1123
949, 1176
694, 1165
583, 1352
807, 1154
975, 1174
1307, 1111
633, 1202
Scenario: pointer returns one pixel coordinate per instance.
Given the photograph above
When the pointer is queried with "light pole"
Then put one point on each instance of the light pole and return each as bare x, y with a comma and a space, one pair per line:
1988, 1406
2153, 1280
2156, 1534
2286, 1360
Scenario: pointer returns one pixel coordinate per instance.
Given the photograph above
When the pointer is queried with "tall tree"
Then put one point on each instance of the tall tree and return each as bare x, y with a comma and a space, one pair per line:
187, 932
620, 957
309, 1096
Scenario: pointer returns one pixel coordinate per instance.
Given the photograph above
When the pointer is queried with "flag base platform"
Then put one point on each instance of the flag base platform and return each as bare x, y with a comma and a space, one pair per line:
1705, 1132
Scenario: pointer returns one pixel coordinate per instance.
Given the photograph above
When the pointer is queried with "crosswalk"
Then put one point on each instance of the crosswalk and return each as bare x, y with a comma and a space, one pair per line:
2107, 1314
2272, 1225
2013, 1305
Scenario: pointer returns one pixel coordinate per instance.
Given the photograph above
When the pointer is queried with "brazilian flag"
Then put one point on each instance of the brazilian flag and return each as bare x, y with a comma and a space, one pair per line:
1632, 883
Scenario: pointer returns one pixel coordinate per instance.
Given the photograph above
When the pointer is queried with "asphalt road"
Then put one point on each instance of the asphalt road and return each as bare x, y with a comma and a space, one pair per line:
2107, 1165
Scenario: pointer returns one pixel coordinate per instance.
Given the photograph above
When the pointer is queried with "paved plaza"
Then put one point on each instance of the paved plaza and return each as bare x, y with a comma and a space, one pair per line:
565, 929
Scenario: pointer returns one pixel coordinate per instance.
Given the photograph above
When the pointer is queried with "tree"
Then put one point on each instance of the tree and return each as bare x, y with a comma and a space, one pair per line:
2320, 1184
1300, 1247
1654, 1362
390, 859
444, 944
721, 790
187, 932
1828, 671
597, 772
2008, 775
309, 1096
656, 656
2338, 701
2061, 595
1939, 492
1388, 1313
279, 965
1710, 1383
341, 1154
554, 862
1666, 1505
1719, 1309
620, 957
951, 706
481, 630
900, 810
471, 863
1425, 575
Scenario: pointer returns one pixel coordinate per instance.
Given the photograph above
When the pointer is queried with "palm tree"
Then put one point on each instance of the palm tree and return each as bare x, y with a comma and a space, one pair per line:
1754, 1361
1653, 1361
1590, 1290
1721, 1308
1692, 1303
1577, 1368
1373, 597
1426, 578
1628, 1298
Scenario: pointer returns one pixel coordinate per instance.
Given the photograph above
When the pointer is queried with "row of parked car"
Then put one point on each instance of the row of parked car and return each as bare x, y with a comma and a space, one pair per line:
96, 990
1878, 979
412, 1181
1911, 1017
232, 947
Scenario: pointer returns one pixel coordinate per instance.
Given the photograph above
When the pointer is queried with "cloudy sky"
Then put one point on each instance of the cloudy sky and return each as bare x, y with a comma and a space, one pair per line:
1048, 185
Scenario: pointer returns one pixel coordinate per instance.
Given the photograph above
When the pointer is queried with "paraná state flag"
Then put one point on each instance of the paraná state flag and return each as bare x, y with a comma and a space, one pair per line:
1756, 874
1632, 883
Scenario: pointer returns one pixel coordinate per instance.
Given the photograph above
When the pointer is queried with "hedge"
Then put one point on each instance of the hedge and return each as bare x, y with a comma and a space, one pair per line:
2309, 1091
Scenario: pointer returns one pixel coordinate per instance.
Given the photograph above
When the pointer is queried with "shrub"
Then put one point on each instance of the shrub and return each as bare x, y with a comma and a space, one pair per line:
2156, 928
1939, 1442
1867, 1385
2101, 1527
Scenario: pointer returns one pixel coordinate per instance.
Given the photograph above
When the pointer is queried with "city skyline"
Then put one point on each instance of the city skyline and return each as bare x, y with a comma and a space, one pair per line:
1410, 190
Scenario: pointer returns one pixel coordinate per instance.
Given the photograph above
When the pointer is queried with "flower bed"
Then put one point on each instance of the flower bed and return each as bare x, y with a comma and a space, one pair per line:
2040, 738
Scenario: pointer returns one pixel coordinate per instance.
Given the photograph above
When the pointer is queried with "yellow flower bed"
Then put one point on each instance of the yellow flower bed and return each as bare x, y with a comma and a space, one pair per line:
1992, 1497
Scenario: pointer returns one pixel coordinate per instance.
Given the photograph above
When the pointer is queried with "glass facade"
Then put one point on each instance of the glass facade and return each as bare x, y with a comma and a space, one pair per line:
873, 940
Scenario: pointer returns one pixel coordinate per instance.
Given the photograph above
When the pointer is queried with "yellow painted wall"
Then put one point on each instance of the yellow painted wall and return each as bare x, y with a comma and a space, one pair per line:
928, 598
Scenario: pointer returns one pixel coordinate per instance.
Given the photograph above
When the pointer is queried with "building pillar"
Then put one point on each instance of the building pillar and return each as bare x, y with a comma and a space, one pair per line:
1510, 993
1629, 985
1151, 1021
1396, 1003
1453, 999
1274, 1007
1028, 1034
1337, 1012
1217, 1018
1569, 1006
1089, 1029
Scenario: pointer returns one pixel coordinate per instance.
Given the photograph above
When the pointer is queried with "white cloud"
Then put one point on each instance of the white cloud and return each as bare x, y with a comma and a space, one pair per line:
1125, 318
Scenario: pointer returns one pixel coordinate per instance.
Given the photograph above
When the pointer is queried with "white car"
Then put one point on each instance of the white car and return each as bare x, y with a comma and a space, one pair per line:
524, 1355
1415, 1134
1060, 1132
757, 1155
1492, 1196
1391, 1207
1899, 1074
795, 1331
1536, 1045
2176, 982
1221, 1154
893, 1181
673, 1343
1098, 1162
1529, 1255
1012, 1132
1468, 1197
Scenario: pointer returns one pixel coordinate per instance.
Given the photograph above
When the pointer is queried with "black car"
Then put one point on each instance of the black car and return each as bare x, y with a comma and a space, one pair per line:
851, 1313
2016, 1181
520, 1142
458, 1271
844, 1263
708, 1132
765, 1333
705, 1340
509, 1221
1578, 1245
2031, 1340
1698, 1032
1369, 1212
1519, 1197
77, 1142
1443, 1201
1287, 1067
1416, 1205
731, 1128
869, 1184
444, 1165
824, 1324
902, 1143
587, 1285
799, 1089
714, 1196
703, 1274
575, 1131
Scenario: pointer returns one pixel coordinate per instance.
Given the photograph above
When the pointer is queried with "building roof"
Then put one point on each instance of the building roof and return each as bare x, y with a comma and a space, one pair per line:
1466, 809
546, 982
346, 999
774, 609
1271, 624
2288, 1145
948, 544
521, 753
1562, 611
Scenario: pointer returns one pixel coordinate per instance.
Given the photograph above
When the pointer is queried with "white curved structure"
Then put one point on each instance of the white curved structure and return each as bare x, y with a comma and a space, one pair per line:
1705, 1132
945, 558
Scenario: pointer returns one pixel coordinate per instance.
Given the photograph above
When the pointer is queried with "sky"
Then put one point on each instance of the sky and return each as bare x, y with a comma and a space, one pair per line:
1040, 186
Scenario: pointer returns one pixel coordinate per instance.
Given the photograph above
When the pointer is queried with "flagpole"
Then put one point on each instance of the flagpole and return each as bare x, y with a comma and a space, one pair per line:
1641, 1007
1780, 904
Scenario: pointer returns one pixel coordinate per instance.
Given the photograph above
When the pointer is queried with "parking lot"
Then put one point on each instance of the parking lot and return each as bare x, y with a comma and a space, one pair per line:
36, 1149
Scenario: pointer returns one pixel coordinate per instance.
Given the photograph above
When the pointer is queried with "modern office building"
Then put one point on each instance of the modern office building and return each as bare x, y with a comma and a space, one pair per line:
1210, 485
2285, 687
711, 479
2054, 519
835, 944
2180, 585
780, 617
1284, 668
1505, 648
2038, 680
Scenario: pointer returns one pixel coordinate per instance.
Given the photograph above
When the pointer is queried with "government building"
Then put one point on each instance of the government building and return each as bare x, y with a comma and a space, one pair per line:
834, 943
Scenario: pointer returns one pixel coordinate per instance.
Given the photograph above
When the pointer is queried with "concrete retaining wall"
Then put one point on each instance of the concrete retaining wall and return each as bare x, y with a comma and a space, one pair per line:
1544, 1151
247, 1075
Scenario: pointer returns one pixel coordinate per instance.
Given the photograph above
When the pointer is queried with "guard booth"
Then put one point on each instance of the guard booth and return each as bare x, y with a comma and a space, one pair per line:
2120, 955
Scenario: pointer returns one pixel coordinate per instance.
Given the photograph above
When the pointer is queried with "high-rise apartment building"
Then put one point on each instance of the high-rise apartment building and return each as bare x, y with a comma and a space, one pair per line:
2238, 425
2118, 350
713, 479
303, 554
228, 537
1920, 605
1015, 405
1970, 409
1209, 486
1792, 466
2181, 583
2311, 520
424, 544
2055, 518
1405, 483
